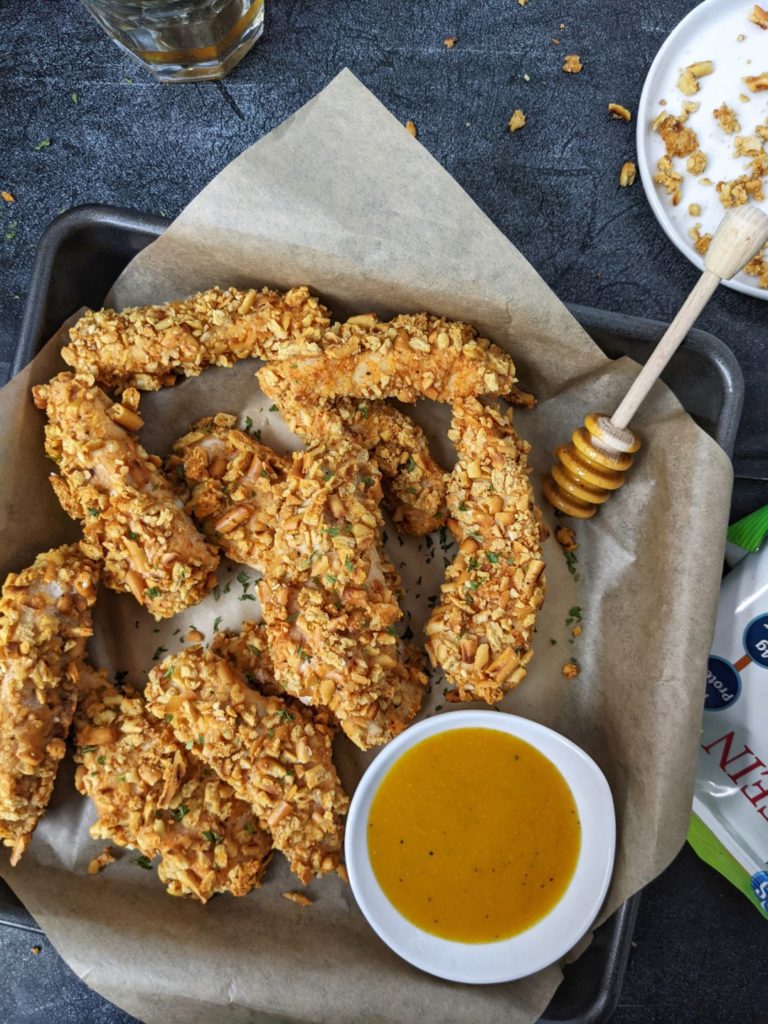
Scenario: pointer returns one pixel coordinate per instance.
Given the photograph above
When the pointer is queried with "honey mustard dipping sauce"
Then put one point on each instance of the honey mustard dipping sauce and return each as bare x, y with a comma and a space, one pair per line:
473, 835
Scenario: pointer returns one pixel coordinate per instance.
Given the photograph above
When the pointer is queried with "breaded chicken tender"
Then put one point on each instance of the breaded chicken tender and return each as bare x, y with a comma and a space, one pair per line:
131, 517
45, 617
155, 796
414, 484
248, 651
149, 347
275, 754
233, 486
410, 357
329, 597
482, 631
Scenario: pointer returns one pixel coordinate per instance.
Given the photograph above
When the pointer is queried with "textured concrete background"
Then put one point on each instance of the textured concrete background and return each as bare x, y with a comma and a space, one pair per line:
118, 137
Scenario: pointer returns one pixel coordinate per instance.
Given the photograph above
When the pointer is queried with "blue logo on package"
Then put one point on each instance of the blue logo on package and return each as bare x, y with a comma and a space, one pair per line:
756, 640
759, 883
723, 684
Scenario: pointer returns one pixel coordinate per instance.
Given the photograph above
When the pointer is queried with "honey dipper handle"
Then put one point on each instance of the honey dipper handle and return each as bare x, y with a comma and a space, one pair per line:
666, 348
741, 234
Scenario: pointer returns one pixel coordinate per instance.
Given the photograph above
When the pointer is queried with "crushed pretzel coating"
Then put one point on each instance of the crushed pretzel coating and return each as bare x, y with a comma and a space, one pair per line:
482, 631
275, 754
700, 242
148, 347
627, 174
748, 145
727, 119
298, 897
106, 857
572, 64
412, 356
413, 483
231, 486
249, 652
758, 17
757, 83
329, 597
155, 796
131, 518
668, 177
566, 538
517, 121
45, 617
696, 163
619, 112
571, 670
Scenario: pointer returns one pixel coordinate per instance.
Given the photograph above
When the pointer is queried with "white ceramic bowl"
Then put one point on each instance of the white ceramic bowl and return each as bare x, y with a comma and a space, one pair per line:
555, 934
709, 32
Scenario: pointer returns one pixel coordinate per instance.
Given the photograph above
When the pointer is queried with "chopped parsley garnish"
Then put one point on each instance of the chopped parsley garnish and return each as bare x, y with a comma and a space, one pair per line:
246, 597
243, 580
89, 749
349, 564
366, 481
180, 811
153, 592
284, 715
391, 630
573, 564
248, 424
216, 623
574, 615
159, 653
93, 511
212, 837
143, 862
42, 144
331, 578
120, 677
132, 535
101, 759
492, 556
332, 531
463, 506
363, 410
410, 464
273, 408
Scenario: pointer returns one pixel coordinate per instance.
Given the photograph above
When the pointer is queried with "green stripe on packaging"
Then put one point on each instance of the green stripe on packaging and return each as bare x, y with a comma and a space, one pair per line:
712, 851
750, 532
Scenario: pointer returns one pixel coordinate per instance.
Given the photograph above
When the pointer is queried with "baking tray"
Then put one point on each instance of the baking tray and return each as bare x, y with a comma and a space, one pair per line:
83, 251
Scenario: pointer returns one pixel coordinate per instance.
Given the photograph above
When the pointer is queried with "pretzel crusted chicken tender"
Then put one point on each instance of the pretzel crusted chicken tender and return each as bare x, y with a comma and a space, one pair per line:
153, 795
410, 357
248, 651
148, 347
275, 755
329, 597
45, 616
131, 517
414, 485
481, 633
233, 486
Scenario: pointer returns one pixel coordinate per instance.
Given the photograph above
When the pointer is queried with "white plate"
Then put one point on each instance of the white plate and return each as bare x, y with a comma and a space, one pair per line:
556, 933
708, 33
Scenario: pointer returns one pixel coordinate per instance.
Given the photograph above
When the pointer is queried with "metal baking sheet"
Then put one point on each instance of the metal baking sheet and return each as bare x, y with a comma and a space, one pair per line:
83, 251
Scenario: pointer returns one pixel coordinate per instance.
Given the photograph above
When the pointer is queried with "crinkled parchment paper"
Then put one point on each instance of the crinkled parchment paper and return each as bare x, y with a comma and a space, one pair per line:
342, 199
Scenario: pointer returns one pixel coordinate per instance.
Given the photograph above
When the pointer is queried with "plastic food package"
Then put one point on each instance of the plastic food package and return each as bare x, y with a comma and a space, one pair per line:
729, 828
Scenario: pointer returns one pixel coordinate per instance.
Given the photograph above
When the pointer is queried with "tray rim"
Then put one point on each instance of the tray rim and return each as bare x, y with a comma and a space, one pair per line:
621, 924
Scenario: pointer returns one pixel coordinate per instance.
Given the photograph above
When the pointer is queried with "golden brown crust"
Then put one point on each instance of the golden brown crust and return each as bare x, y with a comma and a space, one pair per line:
410, 357
482, 631
274, 753
155, 796
413, 483
148, 347
45, 617
329, 597
231, 485
131, 518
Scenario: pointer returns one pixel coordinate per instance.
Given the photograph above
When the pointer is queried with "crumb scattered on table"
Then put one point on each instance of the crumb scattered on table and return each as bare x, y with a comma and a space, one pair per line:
566, 538
107, 856
410, 127
619, 111
449, 42
517, 121
37, 950
7, 197
627, 174
572, 64
571, 669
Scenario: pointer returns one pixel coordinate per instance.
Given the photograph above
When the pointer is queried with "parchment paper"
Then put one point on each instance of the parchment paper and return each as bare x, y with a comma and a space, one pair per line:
341, 198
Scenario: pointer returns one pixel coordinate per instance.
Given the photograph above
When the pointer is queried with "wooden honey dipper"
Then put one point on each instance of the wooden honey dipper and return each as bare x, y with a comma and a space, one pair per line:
593, 465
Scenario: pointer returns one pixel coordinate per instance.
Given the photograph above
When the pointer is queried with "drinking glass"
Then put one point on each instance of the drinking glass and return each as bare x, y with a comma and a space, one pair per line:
182, 40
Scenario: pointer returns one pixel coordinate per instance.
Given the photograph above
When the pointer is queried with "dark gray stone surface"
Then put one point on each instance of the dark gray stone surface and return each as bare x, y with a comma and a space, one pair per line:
118, 137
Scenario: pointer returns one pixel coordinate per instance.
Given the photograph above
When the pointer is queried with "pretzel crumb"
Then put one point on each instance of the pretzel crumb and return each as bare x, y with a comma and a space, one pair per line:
619, 112
694, 209
572, 64
700, 242
727, 119
740, 190
522, 3
668, 178
298, 897
705, 181
758, 17
566, 538
37, 950
411, 128
758, 267
743, 98
627, 174
517, 121
678, 140
740, 37
7, 197
696, 162
757, 83
449, 42
107, 856
571, 669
